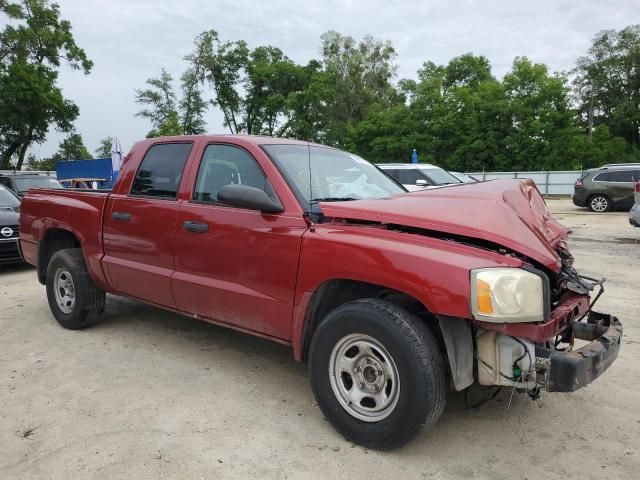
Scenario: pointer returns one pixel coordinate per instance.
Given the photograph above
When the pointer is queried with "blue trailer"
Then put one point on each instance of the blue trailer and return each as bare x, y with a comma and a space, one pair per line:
96, 168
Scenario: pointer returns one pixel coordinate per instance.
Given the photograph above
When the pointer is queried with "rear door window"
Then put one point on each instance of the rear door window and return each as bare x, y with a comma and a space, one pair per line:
161, 170
621, 176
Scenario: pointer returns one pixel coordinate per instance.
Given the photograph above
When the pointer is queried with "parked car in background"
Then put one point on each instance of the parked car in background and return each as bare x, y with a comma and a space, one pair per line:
9, 230
391, 296
418, 176
634, 213
463, 177
21, 183
606, 188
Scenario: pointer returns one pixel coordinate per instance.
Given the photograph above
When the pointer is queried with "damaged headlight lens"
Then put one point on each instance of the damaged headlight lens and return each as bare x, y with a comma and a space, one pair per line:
507, 295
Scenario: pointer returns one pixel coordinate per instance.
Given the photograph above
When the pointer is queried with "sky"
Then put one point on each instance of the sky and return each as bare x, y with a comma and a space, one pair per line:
132, 40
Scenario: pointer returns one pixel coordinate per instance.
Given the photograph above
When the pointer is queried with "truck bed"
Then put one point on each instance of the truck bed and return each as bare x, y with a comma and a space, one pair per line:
77, 211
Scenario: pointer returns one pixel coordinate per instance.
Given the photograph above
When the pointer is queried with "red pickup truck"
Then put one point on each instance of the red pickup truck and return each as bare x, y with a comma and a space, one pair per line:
393, 297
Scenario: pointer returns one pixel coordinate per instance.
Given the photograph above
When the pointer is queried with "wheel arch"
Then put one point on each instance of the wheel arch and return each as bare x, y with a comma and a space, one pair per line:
335, 292
53, 240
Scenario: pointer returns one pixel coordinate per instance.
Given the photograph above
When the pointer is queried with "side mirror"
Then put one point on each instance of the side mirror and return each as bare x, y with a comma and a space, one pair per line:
422, 183
245, 196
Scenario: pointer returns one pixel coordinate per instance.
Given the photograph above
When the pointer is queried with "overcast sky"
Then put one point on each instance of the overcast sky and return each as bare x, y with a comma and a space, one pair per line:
131, 40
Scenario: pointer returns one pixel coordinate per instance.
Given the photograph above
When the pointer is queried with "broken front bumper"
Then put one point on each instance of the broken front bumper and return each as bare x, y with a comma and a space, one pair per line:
570, 371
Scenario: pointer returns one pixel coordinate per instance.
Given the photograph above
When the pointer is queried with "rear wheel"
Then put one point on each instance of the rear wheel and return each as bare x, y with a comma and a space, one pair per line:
600, 204
377, 373
73, 298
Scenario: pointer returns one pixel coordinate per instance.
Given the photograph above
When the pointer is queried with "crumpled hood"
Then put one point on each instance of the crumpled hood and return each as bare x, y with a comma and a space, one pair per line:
507, 212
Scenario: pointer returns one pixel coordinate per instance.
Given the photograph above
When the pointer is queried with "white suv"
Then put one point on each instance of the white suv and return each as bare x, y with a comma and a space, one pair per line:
418, 176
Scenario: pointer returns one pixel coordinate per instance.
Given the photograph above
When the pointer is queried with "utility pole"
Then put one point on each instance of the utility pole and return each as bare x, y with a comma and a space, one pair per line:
590, 127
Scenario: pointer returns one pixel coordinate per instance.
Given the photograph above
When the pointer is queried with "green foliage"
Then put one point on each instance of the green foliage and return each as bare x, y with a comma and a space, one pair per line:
32, 49
607, 83
457, 115
70, 148
251, 87
168, 115
359, 74
104, 147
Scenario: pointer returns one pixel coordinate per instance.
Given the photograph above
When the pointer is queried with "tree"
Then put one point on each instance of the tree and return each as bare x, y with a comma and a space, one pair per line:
104, 147
72, 148
457, 115
540, 114
307, 107
360, 73
161, 106
168, 115
250, 87
32, 50
607, 83
191, 107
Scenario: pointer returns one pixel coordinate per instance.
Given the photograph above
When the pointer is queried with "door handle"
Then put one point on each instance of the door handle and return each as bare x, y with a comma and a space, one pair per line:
196, 227
121, 216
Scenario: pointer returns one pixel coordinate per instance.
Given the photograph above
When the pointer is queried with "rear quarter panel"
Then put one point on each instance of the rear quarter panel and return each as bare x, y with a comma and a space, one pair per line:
78, 212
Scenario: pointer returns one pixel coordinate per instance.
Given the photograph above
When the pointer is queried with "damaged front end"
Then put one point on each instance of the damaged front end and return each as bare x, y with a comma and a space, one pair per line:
568, 351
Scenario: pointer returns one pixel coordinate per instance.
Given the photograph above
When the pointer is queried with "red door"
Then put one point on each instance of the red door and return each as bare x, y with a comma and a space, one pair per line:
139, 227
234, 265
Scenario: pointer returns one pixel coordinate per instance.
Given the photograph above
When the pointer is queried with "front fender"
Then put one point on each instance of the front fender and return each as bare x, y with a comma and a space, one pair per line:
433, 271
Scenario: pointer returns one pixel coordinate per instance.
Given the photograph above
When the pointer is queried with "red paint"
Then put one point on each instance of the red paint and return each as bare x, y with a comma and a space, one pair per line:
506, 212
571, 306
257, 273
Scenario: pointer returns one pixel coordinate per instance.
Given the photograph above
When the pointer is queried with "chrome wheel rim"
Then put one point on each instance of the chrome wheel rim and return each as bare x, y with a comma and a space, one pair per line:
64, 290
364, 377
599, 204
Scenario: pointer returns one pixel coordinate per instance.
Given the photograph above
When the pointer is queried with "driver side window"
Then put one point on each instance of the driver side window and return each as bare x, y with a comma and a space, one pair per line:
224, 165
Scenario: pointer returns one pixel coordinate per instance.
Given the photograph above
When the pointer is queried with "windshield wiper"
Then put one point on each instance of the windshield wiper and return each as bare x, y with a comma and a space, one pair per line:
332, 199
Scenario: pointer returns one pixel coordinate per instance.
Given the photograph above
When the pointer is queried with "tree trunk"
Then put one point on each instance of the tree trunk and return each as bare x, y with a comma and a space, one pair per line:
23, 149
5, 160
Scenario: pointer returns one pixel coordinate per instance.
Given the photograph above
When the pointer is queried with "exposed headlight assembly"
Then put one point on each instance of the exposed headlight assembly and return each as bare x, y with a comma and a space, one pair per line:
505, 295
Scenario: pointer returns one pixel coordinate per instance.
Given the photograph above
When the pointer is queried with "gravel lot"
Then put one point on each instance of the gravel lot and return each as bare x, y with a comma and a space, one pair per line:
149, 394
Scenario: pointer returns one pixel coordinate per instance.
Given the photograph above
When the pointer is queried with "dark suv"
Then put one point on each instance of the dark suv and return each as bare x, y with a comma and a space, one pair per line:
9, 231
608, 187
21, 183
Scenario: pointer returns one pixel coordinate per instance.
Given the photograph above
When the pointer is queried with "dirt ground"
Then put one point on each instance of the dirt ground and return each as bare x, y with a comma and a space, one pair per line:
150, 394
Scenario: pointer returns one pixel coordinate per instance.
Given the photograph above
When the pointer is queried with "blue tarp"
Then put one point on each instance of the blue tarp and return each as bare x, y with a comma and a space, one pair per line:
96, 168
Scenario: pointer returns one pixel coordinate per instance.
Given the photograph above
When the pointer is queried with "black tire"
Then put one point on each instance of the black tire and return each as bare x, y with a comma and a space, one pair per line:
598, 201
420, 368
88, 305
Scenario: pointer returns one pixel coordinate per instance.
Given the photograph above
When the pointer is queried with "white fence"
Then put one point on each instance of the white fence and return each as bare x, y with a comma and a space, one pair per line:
548, 182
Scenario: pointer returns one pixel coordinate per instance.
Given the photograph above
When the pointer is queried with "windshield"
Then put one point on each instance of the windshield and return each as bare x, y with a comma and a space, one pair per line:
335, 175
23, 184
439, 176
7, 198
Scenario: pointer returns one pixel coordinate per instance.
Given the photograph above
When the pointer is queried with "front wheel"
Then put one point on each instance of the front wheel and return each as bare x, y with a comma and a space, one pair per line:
73, 298
377, 373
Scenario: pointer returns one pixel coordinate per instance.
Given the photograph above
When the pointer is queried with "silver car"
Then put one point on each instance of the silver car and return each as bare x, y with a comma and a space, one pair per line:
634, 213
